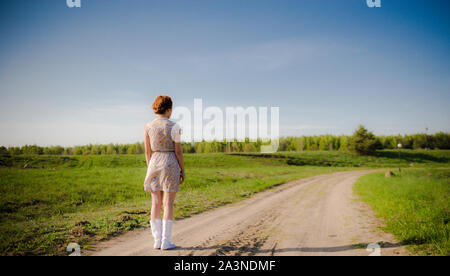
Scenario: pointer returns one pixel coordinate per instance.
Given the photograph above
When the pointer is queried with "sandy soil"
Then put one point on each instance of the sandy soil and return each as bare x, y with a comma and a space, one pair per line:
314, 216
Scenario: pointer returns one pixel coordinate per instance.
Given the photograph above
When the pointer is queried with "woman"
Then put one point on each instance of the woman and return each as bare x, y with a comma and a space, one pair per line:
165, 169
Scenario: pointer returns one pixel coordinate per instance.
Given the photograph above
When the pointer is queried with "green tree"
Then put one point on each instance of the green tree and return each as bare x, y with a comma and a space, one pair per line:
441, 140
4, 151
249, 147
78, 150
343, 143
301, 144
363, 142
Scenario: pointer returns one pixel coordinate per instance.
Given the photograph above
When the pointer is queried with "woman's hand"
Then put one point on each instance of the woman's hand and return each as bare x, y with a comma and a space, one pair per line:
179, 154
182, 177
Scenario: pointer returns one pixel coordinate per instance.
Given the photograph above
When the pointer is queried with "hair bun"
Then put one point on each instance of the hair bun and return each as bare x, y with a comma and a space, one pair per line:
162, 104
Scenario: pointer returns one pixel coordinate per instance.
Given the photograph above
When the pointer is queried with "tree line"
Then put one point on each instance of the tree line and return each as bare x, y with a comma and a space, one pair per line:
439, 140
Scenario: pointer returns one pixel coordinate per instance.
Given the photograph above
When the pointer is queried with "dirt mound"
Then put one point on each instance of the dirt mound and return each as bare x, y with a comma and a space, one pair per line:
79, 231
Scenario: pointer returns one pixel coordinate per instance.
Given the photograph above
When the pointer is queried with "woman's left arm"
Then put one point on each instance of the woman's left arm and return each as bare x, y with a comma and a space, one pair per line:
179, 154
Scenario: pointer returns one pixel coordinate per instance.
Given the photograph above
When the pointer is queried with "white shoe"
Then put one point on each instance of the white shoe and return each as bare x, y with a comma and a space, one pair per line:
156, 232
166, 233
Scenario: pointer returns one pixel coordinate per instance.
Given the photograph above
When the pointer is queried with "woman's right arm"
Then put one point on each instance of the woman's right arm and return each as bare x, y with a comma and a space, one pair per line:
148, 149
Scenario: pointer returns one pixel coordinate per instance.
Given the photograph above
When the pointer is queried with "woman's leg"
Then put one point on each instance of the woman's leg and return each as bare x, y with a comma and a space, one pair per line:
169, 199
155, 219
156, 205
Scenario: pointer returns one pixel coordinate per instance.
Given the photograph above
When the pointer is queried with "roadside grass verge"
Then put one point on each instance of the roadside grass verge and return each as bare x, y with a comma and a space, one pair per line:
415, 205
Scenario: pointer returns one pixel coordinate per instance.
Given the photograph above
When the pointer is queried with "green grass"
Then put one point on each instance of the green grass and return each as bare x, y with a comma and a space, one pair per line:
40, 207
103, 195
382, 159
415, 205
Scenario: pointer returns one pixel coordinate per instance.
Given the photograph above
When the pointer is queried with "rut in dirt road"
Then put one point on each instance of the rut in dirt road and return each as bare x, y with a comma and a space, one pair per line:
313, 216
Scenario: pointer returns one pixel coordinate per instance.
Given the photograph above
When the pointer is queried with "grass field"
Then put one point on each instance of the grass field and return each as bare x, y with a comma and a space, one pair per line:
415, 205
84, 199
382, 159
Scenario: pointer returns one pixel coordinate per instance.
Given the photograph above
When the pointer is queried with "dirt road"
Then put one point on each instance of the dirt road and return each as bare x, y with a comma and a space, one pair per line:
314, 216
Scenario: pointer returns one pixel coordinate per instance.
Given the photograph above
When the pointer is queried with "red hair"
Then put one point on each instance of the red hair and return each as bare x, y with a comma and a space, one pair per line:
162, 104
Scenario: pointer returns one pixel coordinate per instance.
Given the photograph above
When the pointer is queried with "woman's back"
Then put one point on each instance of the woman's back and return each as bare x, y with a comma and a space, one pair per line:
161, 133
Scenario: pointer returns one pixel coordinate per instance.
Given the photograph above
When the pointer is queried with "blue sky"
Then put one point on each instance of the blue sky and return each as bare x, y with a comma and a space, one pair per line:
89, 75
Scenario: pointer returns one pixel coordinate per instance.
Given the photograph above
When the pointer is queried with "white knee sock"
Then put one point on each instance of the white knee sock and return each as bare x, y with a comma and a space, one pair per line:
166, 234
156, 232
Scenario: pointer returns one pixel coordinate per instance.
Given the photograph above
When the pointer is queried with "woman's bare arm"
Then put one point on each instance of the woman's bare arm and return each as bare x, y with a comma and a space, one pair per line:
179, 154
148, 149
